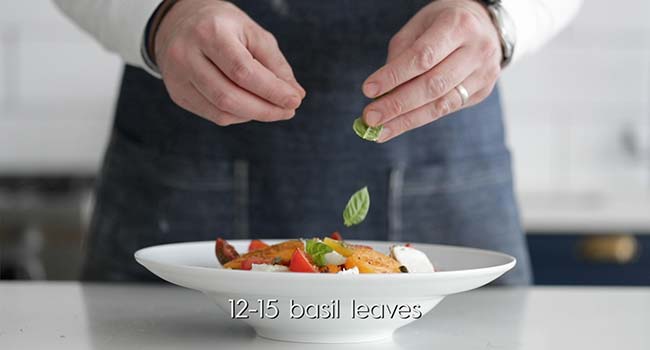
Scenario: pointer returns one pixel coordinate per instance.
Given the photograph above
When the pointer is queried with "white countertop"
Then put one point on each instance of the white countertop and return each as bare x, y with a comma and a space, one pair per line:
106, 316
586, 213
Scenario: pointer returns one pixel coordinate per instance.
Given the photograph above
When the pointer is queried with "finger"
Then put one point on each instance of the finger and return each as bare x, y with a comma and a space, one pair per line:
406, 36
421, 116
401, 41
483, 83
189, 98
424, 89
448, 103
427, 51
230, 98
479, 96
264, 48
239, 66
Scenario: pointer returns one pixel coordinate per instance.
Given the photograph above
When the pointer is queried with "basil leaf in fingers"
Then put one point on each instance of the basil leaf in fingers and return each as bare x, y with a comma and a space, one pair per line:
357, 207
370, 133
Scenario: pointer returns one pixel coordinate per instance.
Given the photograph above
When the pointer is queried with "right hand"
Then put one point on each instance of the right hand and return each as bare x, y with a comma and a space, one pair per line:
218, 63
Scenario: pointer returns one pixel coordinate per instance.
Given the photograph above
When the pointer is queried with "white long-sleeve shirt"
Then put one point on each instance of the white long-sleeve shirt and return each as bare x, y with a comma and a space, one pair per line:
119, 25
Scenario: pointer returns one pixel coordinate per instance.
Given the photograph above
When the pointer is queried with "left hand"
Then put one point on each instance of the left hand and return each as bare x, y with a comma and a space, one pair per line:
447, 43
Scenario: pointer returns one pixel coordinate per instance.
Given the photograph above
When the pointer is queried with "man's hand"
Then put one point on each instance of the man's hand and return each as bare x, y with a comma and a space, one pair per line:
447, 43
218, 63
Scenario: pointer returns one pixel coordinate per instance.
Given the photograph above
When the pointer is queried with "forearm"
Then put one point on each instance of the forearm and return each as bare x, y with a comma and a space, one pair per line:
537, 21
118, 25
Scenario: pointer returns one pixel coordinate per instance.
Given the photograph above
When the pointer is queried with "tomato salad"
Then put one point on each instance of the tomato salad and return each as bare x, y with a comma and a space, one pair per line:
327, 255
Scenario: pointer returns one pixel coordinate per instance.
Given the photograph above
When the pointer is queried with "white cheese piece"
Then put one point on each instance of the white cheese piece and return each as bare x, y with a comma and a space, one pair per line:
414, 260
269, 268
334, 258
352, 271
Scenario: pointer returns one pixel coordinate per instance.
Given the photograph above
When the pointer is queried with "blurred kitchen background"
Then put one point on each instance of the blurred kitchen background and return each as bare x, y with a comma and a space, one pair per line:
578, 116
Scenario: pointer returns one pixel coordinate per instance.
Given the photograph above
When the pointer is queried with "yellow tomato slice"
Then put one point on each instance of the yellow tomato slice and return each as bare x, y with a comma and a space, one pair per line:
338, 246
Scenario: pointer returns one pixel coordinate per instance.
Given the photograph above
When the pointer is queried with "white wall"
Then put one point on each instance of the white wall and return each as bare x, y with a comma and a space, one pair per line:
57, 90
579, 122
577, 111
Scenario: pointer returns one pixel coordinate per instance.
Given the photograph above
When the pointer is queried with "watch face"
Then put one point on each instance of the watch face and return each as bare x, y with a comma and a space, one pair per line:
508, 28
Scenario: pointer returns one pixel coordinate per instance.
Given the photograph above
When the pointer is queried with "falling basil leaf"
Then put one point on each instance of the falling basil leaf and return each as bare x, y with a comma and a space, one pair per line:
370, 133
357, 207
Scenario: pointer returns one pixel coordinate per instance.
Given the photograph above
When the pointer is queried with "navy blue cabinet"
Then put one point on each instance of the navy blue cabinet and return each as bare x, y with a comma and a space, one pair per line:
577, 259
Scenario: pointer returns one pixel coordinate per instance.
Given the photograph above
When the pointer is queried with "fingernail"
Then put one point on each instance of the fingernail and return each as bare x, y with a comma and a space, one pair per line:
373, 118
371, 89
291, 102
303, 93
383, 137
300, 89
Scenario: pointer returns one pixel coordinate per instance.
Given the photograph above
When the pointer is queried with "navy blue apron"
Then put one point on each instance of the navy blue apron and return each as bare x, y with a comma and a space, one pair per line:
170, 176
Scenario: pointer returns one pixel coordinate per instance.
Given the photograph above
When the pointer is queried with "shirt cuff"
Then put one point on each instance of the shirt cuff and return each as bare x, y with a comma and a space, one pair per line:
130, 20
537, 21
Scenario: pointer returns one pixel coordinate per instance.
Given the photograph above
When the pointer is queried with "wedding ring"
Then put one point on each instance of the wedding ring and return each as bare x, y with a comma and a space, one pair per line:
464, 95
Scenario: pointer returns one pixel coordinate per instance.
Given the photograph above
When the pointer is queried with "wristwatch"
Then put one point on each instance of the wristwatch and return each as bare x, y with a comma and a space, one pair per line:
147, 50
505, 28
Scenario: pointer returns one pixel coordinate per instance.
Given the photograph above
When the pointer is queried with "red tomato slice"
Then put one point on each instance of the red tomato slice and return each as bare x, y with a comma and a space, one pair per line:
300, 262
336, 235
224, 251
256, 244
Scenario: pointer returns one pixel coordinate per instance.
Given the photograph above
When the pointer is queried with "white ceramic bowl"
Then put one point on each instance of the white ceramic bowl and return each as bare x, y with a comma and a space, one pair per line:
194, 265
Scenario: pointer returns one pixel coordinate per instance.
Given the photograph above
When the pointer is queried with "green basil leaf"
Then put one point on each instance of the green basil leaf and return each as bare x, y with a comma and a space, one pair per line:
357, 207
317, 251
370, 133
